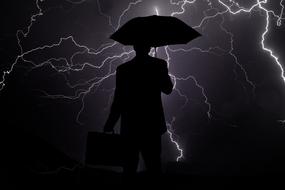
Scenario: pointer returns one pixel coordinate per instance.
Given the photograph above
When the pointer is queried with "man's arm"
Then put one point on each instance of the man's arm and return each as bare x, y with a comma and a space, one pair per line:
115, 112
166, 83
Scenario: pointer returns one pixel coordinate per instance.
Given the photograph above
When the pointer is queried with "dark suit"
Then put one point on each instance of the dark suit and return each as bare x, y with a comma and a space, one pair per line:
137, 101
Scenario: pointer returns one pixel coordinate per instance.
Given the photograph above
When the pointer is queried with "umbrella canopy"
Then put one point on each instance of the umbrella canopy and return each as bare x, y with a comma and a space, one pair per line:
155, 31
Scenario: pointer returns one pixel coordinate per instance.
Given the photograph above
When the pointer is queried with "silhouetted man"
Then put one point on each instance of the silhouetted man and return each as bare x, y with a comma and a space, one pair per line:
137, 101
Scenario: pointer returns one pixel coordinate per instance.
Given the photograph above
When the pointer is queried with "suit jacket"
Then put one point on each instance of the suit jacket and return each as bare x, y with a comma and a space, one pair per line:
137, 98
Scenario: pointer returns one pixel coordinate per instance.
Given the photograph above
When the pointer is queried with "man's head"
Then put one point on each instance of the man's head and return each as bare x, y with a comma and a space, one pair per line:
142, 50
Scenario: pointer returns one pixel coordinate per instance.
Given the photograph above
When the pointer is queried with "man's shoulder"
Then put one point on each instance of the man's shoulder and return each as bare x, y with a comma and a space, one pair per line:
124, 66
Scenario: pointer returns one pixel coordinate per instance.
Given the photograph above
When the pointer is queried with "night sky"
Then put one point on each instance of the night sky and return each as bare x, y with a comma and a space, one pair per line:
228, 104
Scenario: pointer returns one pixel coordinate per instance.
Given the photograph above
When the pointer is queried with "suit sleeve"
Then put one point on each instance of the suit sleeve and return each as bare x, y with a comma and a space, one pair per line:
166, 83
115, 112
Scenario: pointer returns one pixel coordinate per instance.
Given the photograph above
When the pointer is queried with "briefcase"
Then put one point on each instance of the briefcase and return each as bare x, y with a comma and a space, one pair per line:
104, 149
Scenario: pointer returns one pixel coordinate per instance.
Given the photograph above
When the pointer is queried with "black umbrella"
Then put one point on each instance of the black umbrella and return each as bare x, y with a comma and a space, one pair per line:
155, 31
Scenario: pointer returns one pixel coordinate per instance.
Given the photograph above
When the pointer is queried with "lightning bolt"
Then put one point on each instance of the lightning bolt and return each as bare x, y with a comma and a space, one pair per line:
259, 4
171, 133
25, 34
82, 89
156, 10
276, 59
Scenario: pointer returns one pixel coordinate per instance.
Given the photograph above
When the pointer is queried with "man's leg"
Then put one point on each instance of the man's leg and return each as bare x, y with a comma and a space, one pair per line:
131, 157
151, 152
